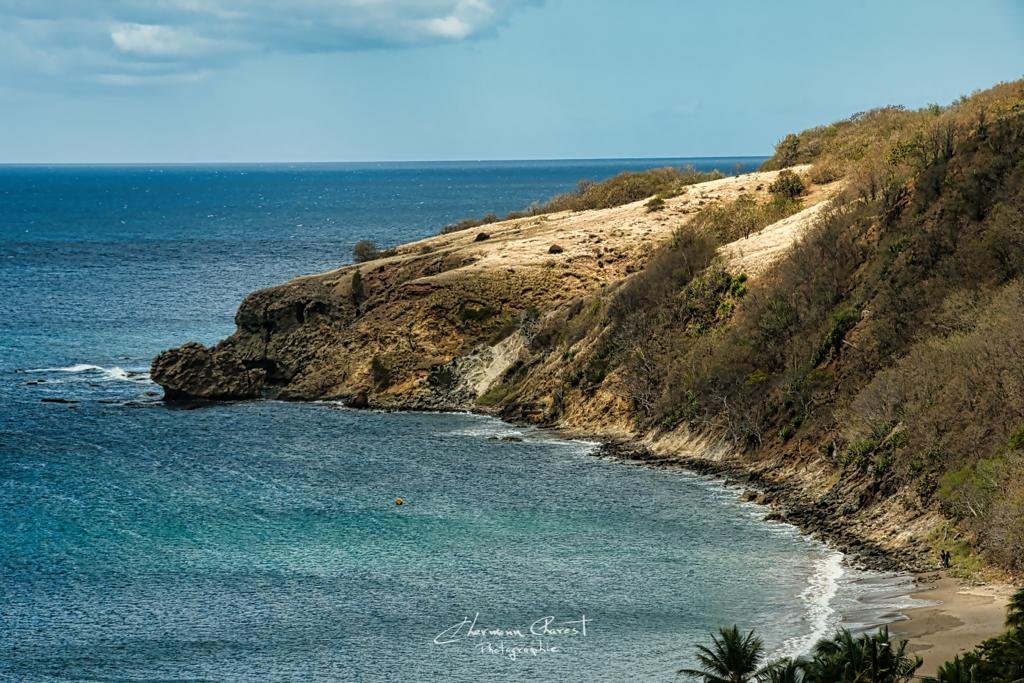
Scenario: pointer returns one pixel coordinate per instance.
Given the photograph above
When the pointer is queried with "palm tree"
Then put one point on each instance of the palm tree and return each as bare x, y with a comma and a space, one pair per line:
890, 663
955, 671
783, 671
1015, 611
836, 658
869, 658
732, 658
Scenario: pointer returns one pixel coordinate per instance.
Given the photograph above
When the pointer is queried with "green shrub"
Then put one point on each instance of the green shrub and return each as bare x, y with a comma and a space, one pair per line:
787, 431
756, 377
442, 377
365, 250
738, 287
743, 216
787, 185
656, 203
1016, 442
843, 322
857, 453
824, 172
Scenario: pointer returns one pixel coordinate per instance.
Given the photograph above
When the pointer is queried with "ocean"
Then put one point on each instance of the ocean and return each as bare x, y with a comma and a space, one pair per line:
261, 540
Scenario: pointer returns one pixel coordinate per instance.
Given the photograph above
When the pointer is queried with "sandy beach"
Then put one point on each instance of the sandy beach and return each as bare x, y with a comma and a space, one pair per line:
963, 615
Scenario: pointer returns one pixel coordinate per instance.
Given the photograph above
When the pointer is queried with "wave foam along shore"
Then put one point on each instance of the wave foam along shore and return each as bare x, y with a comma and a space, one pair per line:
818, 599
95, 372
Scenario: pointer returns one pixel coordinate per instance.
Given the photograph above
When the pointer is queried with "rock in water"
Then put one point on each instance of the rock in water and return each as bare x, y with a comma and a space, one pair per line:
194, 372
360, 401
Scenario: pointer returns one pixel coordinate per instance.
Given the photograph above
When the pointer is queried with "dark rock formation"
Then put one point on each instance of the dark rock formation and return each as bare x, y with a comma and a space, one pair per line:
194, 372
359, 402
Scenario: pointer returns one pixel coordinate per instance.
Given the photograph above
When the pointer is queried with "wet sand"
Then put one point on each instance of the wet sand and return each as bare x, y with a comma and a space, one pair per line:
963, 616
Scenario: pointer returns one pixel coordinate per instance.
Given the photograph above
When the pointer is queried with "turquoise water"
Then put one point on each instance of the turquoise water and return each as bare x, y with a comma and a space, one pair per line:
261, 541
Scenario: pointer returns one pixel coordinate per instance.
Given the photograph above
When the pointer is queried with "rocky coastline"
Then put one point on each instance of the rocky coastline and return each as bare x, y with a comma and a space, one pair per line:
787, 503
446, 323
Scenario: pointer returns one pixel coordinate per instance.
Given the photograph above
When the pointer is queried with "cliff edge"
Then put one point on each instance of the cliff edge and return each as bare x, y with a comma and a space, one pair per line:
436, 324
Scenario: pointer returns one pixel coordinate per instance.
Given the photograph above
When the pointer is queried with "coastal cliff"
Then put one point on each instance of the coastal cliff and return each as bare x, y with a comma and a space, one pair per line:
437, 322
840, 331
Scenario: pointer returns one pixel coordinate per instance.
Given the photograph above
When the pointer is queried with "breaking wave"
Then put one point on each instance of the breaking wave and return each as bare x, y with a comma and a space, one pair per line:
97, 372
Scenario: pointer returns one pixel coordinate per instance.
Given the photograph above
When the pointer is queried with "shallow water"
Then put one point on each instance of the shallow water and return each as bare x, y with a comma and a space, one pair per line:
261, 540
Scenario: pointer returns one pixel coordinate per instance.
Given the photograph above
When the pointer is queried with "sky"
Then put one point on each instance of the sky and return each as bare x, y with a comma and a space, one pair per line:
182, 81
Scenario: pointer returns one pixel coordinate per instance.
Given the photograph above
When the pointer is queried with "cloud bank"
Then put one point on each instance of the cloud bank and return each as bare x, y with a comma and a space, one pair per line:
135, 42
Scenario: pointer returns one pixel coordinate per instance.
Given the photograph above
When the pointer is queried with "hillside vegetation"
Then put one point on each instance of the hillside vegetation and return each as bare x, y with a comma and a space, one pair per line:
845, 326
624, 188
889, 341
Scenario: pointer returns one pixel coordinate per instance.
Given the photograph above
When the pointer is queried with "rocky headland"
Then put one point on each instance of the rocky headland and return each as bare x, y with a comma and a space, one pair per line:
446, 323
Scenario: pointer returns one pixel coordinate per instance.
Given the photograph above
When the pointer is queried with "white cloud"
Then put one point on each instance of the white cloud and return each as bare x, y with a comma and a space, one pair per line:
153, 40
449, 27
133, 42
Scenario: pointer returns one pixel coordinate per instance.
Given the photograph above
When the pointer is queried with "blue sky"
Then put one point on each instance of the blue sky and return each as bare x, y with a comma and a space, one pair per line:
340, 80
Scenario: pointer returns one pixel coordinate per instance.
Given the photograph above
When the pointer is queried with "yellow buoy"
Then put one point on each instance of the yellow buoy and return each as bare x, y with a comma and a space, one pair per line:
399, 501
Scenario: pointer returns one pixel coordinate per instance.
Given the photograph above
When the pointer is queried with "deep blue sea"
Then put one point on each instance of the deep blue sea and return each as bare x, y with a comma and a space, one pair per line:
260, 541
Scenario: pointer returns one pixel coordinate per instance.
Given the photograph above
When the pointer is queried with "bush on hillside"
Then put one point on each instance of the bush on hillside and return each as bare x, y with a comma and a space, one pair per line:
729, 221
365, 250
655, 203
624, 188
787, 185
824, 172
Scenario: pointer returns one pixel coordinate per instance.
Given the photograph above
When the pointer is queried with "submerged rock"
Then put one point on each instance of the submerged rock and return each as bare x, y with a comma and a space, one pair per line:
195, 372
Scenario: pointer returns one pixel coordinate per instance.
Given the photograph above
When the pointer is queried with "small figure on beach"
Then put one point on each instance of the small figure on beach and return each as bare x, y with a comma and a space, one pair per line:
946, 558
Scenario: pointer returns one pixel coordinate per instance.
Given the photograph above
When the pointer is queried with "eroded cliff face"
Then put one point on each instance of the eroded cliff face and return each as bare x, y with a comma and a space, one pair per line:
438, 324
193, 371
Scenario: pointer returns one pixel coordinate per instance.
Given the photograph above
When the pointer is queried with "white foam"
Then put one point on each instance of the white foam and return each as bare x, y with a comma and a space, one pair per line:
71, 368
818, 600
126, 375
97, 372
497, 430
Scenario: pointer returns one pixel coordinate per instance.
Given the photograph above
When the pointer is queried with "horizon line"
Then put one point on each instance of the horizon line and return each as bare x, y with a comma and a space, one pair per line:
373, 161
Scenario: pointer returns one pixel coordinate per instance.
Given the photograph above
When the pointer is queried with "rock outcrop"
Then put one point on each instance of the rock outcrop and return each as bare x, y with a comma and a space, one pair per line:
194, 372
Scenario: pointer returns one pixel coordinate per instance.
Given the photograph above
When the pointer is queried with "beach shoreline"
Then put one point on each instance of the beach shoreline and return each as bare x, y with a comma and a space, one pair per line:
959, 616
947, 616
